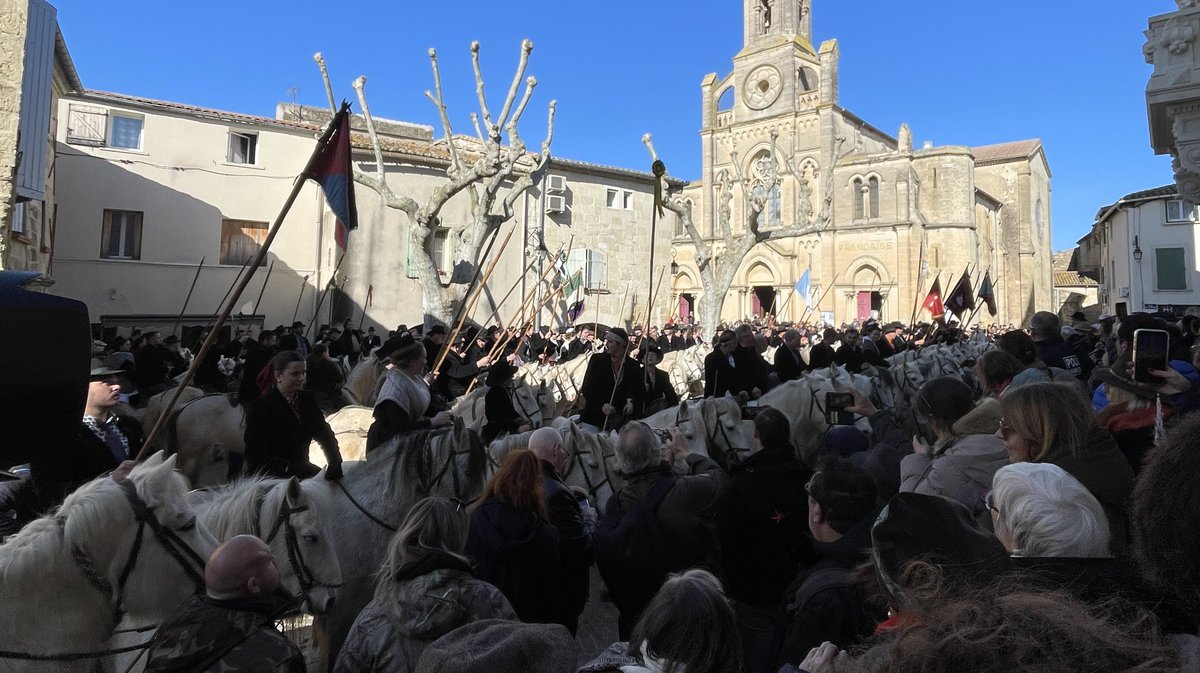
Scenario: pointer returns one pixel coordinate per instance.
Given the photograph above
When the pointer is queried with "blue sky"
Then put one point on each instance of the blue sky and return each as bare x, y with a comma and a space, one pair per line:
959, 72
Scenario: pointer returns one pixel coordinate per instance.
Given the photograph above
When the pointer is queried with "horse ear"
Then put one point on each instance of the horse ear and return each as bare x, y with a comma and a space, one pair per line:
683, 410
168, 464
154, 460
294, 493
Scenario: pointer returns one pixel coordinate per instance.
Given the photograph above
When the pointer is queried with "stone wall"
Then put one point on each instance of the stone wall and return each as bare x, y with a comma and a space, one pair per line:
14, 18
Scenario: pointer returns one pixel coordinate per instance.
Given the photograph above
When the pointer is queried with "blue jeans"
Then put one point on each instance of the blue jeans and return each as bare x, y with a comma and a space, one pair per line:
761, 630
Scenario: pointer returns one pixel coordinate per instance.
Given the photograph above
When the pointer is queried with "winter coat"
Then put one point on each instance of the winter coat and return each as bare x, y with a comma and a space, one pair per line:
688, 514
277, 438
57, 471
1073, 356
206, 635
961, 468
517, 552
826, 603
575, 551
882, 461
763, 523
1132, 430
599, 382
1101, 467
432, 596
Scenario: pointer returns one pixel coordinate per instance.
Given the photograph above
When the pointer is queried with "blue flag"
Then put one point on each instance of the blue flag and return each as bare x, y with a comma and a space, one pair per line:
802, 286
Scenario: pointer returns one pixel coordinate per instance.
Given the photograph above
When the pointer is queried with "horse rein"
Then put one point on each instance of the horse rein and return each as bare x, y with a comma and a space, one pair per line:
187, 558
283, 521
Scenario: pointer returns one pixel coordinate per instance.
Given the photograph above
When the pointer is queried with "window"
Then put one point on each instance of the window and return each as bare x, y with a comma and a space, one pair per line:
806, 78
591, 263
125, 132
725, 100
440, 251
1181, 211
621, 199
873, 196
243, 148
18, 226
121, 237
240, 240
857, 195
1170, 269
87, 125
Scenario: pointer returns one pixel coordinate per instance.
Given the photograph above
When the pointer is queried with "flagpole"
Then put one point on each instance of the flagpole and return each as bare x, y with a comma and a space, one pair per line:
366, 303
188, 298
808, 309
321, 300
920, 266
977, 306
496, 312
936, 279
241, 287
303, 285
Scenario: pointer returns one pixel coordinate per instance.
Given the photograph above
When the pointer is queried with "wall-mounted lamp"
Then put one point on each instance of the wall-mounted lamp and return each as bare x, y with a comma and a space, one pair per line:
1137, 251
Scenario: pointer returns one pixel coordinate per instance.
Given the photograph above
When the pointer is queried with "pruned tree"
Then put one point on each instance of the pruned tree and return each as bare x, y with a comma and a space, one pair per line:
481, 172
719, 258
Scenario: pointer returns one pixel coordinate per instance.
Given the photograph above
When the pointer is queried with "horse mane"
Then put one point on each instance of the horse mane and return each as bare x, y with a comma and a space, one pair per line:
232, 509
410, 459
505, 445
469, 400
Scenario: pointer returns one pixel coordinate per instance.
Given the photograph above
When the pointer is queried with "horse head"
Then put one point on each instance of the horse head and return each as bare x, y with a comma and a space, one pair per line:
295, 521
526, 404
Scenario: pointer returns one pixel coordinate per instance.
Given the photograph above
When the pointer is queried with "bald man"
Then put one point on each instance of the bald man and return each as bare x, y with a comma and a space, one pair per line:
574, 519
232, 627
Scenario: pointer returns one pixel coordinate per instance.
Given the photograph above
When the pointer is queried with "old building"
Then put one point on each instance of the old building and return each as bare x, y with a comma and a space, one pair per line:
1172, 97
37, 70
874, 219
1142, 251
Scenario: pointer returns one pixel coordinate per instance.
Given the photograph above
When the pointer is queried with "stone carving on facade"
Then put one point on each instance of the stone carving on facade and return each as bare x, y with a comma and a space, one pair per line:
1186, 182
905, 138
1187, 4
1148, 47
1177, 36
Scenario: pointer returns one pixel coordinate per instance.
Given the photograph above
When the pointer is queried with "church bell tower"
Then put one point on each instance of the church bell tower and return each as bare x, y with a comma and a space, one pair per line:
770, 18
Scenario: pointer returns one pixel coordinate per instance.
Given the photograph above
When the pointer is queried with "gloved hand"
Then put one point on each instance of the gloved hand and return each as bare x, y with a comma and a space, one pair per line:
334, 471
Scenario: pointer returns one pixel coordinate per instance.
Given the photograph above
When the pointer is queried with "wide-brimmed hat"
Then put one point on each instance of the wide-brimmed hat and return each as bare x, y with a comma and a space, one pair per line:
1117, 376
395, 343
436, 329
98, 372
618, 334
500, 372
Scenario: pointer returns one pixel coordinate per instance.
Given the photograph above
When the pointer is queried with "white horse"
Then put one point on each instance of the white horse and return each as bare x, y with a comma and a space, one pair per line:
203, 433
591, 458
362, 384
711, 426
65, 584
527, 402
154, 408
804, 402
350, 426
372, 500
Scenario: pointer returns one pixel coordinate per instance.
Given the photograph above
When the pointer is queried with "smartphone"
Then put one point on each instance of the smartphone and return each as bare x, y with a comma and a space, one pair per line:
1150, 348
835, 408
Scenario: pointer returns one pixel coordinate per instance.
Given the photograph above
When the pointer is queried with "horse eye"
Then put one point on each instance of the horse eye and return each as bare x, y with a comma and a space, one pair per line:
311, 539
188, 527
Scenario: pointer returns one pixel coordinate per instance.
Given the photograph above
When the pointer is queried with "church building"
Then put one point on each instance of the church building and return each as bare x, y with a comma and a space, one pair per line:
873, 219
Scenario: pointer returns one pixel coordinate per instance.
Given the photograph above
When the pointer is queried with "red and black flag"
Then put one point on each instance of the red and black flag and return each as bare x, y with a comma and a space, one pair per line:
933, 300
961, 299
333, 171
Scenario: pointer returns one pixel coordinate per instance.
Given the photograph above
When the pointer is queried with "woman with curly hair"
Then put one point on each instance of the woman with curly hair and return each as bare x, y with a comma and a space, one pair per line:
512, 543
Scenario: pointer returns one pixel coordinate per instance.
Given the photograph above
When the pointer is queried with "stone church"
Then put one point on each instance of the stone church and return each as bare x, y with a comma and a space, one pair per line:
872, 218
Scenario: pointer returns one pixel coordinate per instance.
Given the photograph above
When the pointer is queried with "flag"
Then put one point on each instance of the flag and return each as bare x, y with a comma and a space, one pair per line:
572, 290
574, 311
961, 299
803, 287
933, 300
987, 294
332, 170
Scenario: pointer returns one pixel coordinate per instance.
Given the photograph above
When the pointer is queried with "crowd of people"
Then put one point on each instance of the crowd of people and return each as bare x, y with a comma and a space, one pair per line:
1034, 514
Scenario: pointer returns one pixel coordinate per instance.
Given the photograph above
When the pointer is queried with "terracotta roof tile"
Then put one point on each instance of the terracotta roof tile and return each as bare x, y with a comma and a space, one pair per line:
169, 106
1021, 149
1072, 279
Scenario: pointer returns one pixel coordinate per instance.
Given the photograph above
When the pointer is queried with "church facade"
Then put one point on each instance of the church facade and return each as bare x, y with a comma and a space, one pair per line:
873, 219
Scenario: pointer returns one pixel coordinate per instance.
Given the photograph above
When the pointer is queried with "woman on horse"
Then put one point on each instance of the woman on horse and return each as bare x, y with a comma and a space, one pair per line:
282, 423
403, 404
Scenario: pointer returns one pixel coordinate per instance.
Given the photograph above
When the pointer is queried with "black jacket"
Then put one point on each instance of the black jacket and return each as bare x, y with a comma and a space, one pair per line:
455, 375
500, 414
1073, 356
789, 364
257, 356
658, 394
752, 367
598, 387
575, 551
719, 376
518, 553
763, 524
277, 441
57, 471
820, 355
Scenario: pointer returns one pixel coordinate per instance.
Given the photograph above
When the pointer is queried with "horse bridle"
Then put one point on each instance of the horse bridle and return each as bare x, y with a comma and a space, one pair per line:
576, 458
187, 558
524, 410
710, 437
283, 521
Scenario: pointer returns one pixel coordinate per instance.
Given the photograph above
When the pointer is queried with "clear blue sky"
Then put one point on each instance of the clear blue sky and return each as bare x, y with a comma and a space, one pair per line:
959, 72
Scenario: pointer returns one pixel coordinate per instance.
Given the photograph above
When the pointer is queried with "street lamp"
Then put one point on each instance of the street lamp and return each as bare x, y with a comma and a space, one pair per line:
1137, 251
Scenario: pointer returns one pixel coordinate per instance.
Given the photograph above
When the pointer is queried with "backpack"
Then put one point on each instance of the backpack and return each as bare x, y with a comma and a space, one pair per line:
630, 552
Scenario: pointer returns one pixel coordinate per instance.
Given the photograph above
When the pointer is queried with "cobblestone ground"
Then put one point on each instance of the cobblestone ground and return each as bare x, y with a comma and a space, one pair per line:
597, 628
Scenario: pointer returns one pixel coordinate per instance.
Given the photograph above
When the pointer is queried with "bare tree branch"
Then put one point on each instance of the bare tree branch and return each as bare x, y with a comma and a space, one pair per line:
325, 77
440, 103
526, 49
493, 131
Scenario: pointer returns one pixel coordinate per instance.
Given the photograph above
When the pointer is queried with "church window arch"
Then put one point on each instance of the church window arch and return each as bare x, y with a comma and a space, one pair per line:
764, 17
856, 194
680, 229
725, 100
762, 174
873, 196
806, 79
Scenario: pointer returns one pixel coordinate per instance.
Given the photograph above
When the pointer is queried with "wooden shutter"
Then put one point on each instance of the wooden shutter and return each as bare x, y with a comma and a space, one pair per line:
240, 240
86, 125
106, 234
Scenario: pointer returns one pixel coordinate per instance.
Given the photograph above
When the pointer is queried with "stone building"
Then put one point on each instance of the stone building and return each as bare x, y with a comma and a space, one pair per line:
862, 210
1172, 94
36, 71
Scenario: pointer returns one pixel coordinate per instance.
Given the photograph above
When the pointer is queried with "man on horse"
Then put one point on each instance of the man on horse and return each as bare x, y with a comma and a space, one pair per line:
611, 385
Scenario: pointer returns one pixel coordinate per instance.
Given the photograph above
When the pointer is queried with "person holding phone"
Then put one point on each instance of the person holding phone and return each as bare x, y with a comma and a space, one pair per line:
965, 453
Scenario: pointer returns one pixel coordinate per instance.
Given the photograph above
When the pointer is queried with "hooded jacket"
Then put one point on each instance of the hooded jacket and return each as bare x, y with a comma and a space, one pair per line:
962, 467
432, 596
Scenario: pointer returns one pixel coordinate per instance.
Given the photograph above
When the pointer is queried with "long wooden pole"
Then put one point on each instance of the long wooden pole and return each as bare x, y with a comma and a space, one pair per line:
263, 289
475, 290
496, 311
258, 258
366, 303
175, 327
303, 284
920, 266
808, 309
321, 299
662, 271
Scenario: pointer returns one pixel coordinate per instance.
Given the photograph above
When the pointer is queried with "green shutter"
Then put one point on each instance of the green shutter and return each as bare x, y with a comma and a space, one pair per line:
1170, 269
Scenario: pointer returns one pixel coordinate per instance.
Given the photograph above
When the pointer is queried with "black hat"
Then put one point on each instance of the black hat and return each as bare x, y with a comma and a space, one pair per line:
650, 346
297, 324
1116, 376
500, 372
171, 339
437, 329
395, 343
618, 333
100, 372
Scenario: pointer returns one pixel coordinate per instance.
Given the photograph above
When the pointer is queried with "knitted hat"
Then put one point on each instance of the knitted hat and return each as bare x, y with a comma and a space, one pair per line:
501, 646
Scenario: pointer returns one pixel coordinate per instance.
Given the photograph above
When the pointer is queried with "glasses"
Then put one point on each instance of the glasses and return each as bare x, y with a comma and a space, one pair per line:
1005, 430
989, 502
459, 505
808, 488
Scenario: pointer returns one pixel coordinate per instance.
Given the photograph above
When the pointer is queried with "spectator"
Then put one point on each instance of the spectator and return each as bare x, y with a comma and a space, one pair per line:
1052, 349
1039, 510
512, 543
965, 454
295, 340
232, 626
500, 646
1133, 412
826, 603
684, 521
1019, 345
1051, 423
996, 370
424, 590
572, 518
688, 626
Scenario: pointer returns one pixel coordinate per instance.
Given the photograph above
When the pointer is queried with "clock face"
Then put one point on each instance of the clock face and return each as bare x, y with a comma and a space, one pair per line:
762, 87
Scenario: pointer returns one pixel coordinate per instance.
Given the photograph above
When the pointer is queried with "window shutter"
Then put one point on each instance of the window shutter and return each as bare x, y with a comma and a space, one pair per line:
106, 235
1170, 269
86, 125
